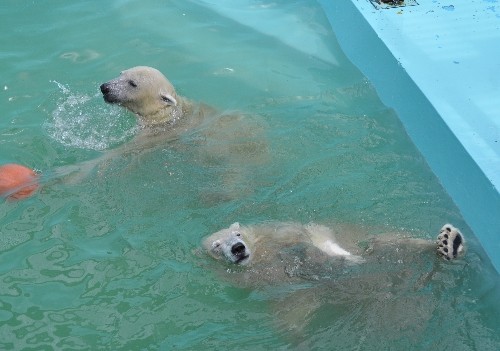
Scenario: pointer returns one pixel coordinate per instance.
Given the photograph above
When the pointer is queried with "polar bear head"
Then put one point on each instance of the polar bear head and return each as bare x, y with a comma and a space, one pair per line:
146, 92
230, 244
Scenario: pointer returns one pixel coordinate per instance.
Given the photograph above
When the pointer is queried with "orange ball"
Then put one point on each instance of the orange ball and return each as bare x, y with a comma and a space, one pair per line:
17, 182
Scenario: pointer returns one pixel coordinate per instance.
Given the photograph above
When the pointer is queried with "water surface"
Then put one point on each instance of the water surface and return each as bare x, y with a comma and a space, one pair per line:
110, 261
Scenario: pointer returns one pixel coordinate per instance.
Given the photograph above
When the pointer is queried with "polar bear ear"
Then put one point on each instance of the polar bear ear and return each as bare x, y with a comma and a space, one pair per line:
168, 99
235, 226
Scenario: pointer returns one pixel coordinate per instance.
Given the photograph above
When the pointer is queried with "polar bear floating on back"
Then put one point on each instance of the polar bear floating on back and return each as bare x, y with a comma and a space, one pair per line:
246, 245
235, 137
280, 252
391, 280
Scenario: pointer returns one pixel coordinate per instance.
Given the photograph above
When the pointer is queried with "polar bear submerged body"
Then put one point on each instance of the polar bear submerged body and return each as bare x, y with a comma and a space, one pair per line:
271, 250
302, 270
234, 142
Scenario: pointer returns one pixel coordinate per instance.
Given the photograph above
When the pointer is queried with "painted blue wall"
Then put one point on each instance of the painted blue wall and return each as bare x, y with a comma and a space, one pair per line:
472, 192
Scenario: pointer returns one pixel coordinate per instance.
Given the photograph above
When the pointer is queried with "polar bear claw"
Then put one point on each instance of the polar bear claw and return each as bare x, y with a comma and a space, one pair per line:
450, 242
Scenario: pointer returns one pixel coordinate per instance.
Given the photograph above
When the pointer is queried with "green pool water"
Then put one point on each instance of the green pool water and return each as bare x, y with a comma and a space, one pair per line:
112, 262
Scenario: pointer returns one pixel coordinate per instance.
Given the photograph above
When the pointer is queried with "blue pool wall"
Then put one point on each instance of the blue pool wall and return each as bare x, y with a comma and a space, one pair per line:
466, 183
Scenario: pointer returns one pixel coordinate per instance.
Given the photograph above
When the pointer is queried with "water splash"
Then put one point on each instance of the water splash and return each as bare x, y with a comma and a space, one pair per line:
83, 121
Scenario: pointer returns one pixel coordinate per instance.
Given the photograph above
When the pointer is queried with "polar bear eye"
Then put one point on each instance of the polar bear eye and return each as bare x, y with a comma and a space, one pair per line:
238, 234
132, 83
216, 244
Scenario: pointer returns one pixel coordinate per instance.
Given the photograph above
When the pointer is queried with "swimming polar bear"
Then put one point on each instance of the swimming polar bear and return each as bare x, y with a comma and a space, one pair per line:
146, 92
303, 269
235, 140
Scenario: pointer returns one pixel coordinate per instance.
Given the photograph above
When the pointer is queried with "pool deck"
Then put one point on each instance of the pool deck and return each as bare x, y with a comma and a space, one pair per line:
437, 63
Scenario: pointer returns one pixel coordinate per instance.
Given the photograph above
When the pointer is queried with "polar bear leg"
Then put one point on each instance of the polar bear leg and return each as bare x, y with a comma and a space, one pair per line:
323, 238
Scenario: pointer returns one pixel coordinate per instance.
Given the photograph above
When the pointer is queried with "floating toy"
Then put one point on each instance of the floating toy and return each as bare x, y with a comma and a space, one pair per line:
17, 182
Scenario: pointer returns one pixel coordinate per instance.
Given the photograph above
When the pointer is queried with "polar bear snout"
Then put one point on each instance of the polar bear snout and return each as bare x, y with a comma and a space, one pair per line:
238, 249
108, 93
104, 88
239, 252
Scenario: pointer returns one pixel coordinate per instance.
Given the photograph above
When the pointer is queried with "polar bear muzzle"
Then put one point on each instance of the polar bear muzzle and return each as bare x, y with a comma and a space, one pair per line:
239, 252
233, 250
107, 93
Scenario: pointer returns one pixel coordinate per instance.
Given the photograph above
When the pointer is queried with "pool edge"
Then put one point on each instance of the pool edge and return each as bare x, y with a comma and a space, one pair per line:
469, 187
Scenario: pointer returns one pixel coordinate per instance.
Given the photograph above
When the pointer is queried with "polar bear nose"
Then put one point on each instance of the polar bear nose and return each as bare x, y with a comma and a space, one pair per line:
109, 93
104, 88
238, 249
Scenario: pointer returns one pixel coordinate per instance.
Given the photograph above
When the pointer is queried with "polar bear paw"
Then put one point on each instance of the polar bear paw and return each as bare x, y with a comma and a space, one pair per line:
450, 242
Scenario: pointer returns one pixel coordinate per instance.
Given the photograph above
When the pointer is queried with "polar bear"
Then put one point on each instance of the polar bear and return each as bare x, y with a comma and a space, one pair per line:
146, 92
274, 253
256, 244
232, 139
391, 281
166, 119
247, 245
